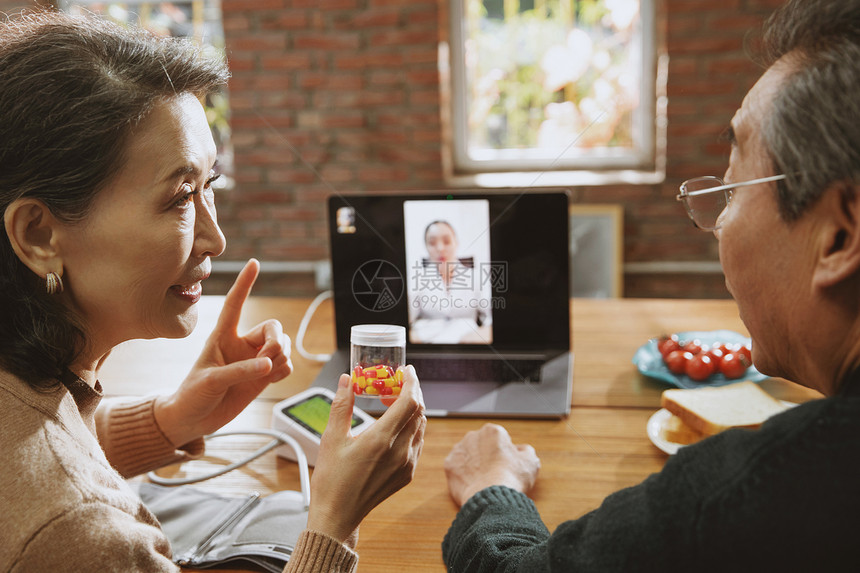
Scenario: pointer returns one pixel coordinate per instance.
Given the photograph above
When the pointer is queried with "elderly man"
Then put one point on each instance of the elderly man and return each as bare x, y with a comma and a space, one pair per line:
785, 497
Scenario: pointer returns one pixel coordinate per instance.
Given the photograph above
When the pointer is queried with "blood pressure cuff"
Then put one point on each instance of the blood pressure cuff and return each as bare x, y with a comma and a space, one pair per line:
206, 529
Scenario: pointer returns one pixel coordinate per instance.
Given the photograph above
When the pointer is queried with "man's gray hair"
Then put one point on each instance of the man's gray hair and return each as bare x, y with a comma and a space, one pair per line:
813, 133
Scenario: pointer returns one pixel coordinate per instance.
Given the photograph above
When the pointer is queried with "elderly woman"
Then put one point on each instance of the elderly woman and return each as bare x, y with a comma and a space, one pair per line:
106, 171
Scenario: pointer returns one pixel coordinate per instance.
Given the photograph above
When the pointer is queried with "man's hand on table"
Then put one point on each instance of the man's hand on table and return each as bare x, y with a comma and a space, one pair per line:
488, 457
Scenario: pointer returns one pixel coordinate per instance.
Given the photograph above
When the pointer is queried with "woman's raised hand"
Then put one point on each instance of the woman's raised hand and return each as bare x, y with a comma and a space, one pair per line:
231, 371
354, 474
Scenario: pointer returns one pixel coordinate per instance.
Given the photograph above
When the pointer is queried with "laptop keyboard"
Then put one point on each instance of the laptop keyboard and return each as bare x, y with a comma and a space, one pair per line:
477, 369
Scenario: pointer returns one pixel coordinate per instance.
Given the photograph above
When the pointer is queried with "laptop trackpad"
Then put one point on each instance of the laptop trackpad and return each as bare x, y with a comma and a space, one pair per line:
460, 396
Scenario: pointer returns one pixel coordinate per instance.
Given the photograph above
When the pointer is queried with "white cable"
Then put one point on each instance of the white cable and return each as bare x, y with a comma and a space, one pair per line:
279, 438
303, 327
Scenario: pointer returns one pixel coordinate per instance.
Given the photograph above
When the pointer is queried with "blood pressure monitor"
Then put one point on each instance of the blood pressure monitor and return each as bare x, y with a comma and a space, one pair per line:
305, 416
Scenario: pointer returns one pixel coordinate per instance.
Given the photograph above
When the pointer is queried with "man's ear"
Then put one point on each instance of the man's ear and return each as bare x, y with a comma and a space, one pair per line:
33, 231
839, 251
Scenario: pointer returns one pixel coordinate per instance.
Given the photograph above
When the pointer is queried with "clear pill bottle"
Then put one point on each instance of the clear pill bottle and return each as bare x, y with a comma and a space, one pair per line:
377, 353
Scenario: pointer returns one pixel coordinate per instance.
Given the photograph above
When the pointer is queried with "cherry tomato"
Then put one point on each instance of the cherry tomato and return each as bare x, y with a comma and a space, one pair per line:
716, 355
732, 365
666, 344
676, 361
700, 367
693, 346
718, 346
746, 354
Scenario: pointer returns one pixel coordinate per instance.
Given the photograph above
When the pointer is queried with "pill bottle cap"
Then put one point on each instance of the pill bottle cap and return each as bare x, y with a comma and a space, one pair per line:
378, 335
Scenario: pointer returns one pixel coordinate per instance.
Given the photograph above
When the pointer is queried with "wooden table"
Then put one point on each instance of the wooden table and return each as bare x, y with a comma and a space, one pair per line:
601, 447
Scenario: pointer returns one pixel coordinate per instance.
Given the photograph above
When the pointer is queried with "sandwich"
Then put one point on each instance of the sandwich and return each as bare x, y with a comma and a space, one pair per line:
702, 412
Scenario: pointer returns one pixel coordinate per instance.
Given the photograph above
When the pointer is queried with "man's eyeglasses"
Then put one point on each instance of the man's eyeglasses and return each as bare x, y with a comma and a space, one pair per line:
705, 198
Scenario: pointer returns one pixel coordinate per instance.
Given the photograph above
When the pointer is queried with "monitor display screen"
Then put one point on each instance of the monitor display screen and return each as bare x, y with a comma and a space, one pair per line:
462, 270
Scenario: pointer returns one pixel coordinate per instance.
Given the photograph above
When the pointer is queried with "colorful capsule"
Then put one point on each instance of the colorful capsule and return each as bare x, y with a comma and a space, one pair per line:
376, 379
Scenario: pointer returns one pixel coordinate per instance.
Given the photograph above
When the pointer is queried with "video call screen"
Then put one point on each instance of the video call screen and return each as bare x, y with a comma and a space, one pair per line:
464, 271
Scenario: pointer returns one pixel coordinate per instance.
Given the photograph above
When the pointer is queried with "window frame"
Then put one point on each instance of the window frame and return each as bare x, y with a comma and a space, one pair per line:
644, 163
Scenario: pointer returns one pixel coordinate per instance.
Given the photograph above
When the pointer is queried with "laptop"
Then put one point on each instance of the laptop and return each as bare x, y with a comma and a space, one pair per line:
481, 283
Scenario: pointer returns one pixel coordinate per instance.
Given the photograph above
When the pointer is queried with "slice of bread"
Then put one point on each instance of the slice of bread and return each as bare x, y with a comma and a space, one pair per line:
714, 409
676, 431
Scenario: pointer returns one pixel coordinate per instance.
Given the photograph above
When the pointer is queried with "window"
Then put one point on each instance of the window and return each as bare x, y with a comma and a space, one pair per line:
197, 19
552, 85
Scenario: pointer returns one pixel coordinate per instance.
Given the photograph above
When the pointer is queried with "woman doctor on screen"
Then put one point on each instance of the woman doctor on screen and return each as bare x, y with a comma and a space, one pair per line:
448, 305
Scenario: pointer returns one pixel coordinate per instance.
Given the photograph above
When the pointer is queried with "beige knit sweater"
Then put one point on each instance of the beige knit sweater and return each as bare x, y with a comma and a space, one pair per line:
64, 503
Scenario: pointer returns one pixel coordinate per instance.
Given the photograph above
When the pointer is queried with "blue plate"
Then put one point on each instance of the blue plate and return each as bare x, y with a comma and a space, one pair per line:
650, 363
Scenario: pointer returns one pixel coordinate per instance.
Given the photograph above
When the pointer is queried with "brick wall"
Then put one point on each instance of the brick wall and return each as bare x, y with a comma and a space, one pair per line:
343, 95
331, 95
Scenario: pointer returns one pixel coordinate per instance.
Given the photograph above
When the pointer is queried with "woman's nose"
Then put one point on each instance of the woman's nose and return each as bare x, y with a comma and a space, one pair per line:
208, 238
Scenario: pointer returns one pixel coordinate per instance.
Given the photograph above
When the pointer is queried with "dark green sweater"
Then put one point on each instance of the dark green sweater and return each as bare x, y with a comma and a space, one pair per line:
783, 498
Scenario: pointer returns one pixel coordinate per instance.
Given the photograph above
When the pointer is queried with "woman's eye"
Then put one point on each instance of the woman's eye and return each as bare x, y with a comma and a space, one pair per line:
187, 190
187, 193
212, 179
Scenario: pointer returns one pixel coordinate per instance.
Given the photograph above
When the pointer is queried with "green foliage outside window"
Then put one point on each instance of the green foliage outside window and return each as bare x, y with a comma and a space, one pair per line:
552, 74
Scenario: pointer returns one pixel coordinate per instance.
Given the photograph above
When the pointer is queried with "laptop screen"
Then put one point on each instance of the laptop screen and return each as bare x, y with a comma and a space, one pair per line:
458, 270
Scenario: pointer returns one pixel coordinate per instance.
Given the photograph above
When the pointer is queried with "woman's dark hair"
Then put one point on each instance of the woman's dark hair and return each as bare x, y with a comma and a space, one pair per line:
812, 132
71, 91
